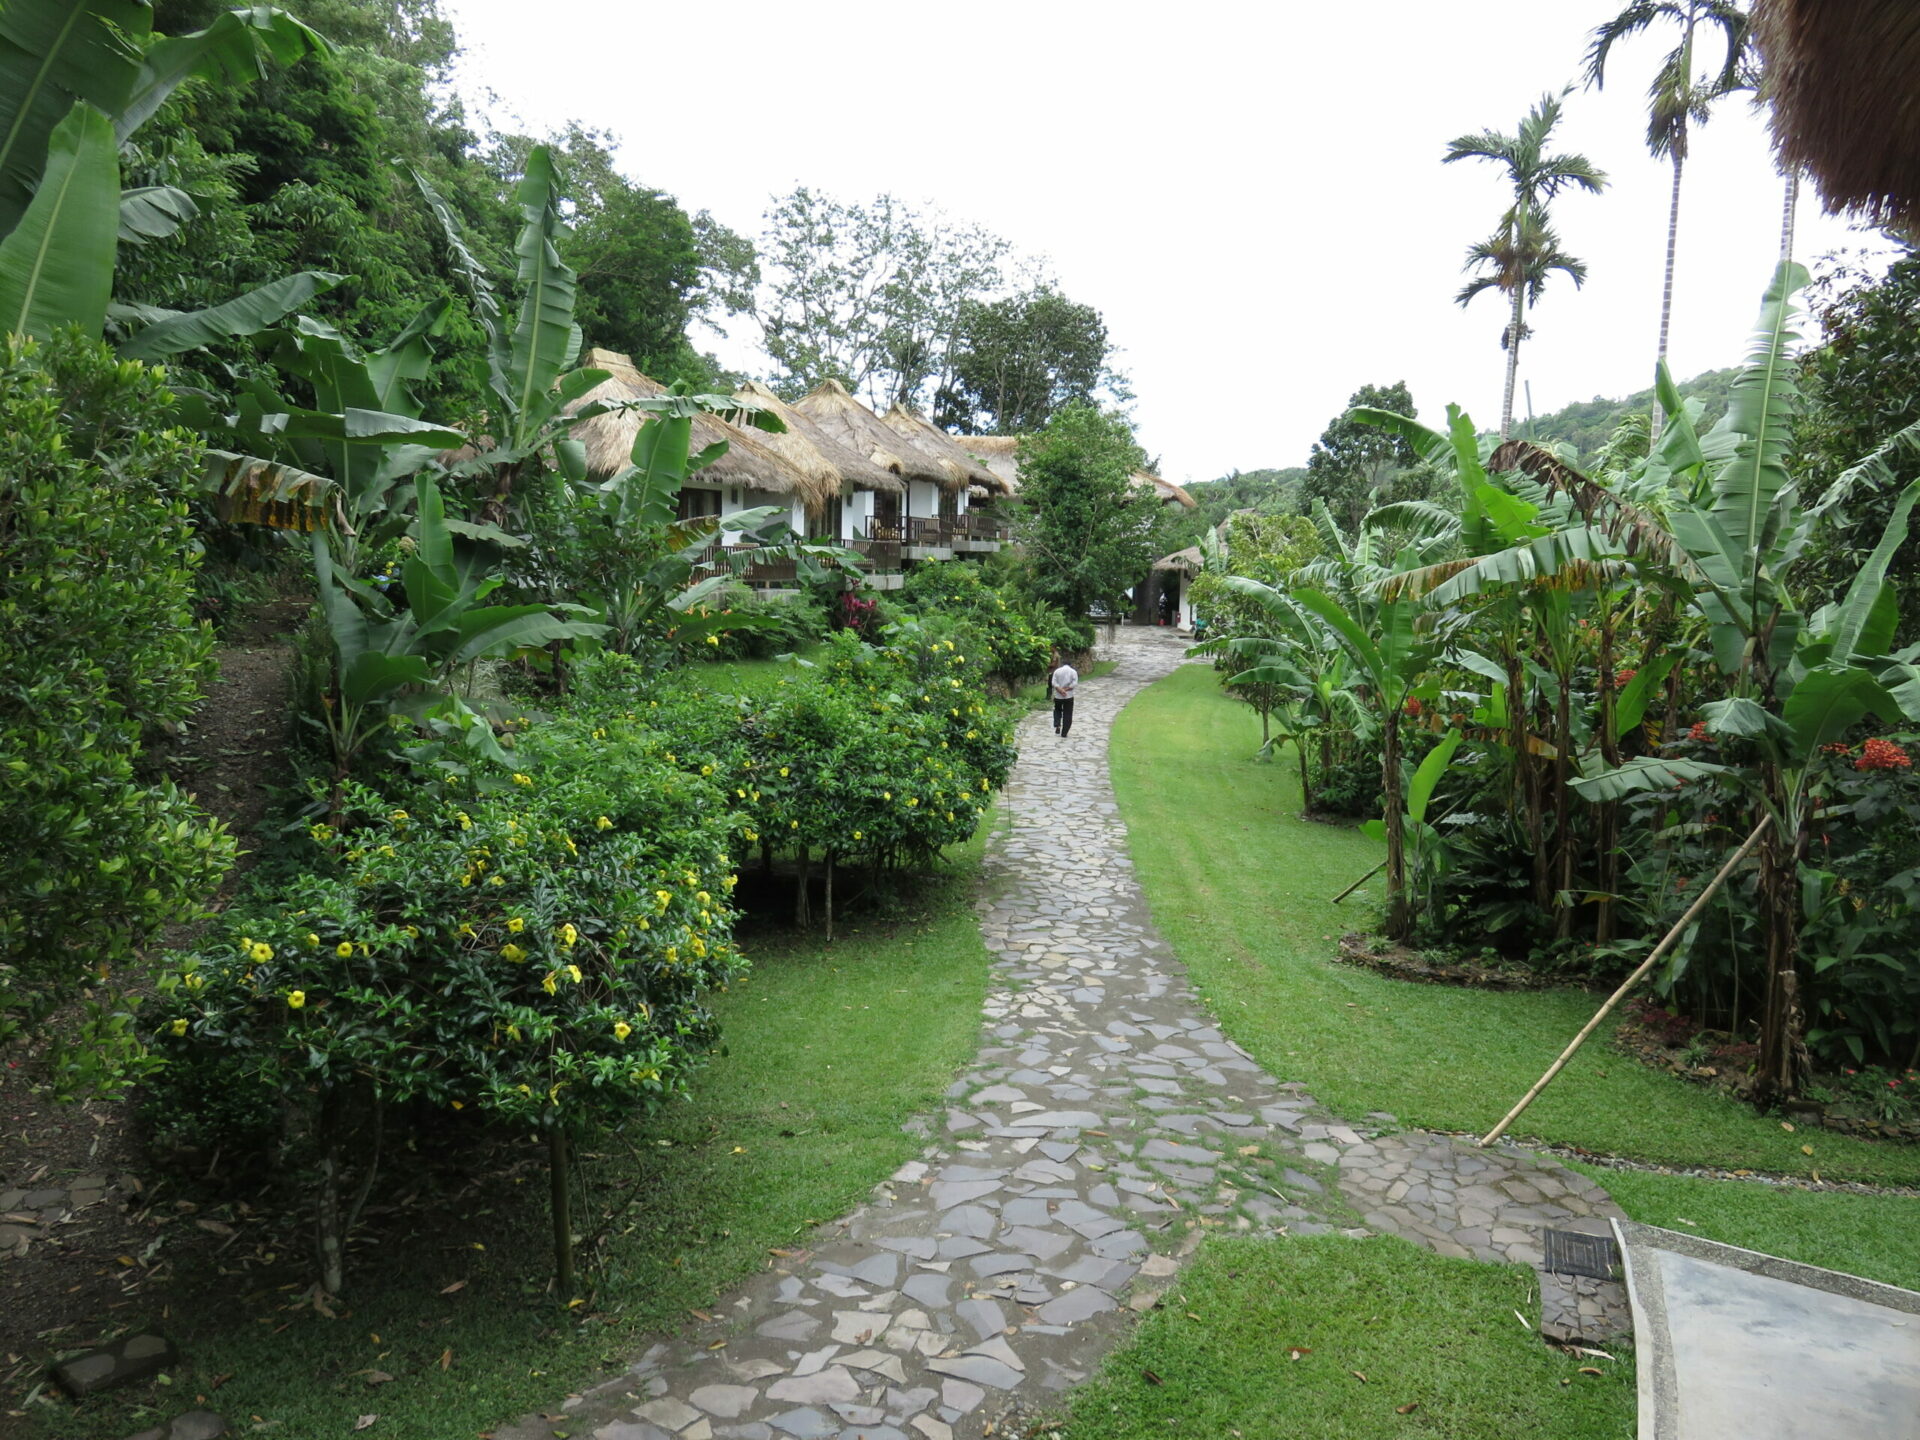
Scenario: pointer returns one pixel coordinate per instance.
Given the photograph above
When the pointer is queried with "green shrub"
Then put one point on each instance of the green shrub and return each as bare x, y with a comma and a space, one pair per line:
778, 623
98, 650
539, 956
1016, 639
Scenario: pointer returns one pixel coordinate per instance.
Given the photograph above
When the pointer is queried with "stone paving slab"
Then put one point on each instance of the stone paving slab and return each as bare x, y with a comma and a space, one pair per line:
1105, 1126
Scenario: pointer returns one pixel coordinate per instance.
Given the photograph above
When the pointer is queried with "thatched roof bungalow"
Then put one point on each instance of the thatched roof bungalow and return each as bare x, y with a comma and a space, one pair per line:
807, 444
966, 469
749, 463
1843, 77
1001, 454
854, 426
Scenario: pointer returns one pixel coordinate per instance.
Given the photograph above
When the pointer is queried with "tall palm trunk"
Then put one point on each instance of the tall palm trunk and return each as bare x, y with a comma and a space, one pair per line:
1514, 330
1789, 214
1666, 287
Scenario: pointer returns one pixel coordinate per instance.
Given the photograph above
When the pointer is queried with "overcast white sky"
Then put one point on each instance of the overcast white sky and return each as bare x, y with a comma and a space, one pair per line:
1252, 195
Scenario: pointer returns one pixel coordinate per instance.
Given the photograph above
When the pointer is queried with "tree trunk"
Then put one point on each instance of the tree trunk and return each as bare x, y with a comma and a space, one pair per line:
1398, 919
1526, 779
1666, 288
1784, 1064
330, 1237
560, 1194
1514, 328
802, 901
1789, 214
1562, 820
829, 898
1306, 780
1607, 830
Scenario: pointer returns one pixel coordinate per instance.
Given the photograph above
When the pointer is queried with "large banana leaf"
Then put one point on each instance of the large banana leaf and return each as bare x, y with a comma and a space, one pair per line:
53, 52
1760, 409
1868, 614
56, 264
247, 314
251, 491
1830, 701
154, 212
1648, 772
231, 50
544, 338
1420, 788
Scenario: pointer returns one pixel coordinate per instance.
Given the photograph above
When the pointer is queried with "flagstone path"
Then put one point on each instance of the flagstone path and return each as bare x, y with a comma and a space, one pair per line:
1105, 1127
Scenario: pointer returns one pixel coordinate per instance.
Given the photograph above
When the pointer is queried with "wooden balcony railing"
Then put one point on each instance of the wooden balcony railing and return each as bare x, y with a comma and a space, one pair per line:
925, 530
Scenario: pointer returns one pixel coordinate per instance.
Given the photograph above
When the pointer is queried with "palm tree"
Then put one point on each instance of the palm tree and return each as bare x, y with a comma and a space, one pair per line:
1524, 250
1678, 98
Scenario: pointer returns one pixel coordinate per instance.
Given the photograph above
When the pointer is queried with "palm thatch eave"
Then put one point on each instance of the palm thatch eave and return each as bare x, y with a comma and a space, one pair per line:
1844, 84
808, 445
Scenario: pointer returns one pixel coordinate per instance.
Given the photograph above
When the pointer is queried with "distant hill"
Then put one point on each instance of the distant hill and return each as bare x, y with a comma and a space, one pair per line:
1272, 492
1588, 424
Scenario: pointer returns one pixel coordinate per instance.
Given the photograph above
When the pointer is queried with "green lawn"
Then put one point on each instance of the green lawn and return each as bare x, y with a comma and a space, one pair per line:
746, 677
1877, 1236
830, 1049
1241, 887
1391, 1341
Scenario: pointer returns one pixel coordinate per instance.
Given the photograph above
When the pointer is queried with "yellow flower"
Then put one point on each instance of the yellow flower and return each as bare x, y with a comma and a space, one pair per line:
886, 794
465, 932
496, 880
793, 824
466, 820
697, 945
296, 998
783, 772
857, 835
260, 952
703, 897
313, 941
548, 985
459, 1104
568, 935
645, 924
621, 1029
398, 815
179, 1027
193, 980
413, 932
603, 823
751, 836
706, 769
320, 833
912, 800
516, 925
344, 949
466, 880
520, 779
670, 759
740, 793
513, 952
665, 898
573, 974
713, 639
983, 784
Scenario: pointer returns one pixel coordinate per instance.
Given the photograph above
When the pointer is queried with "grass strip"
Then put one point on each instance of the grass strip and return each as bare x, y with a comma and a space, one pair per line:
1345, 1339
1876, 1236
1241, 886
829, 1049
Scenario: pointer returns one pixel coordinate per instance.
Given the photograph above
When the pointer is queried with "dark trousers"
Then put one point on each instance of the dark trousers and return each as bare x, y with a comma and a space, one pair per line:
1062, 716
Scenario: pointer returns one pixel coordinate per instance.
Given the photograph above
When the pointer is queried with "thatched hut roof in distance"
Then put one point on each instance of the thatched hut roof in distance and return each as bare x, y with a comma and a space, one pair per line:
1844, 81
845, 419
999, 453
1168, 492
966, 469
748, 462
1186, 561
809, 446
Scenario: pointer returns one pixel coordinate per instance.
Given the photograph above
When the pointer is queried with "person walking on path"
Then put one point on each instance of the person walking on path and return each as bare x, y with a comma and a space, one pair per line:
1063, 682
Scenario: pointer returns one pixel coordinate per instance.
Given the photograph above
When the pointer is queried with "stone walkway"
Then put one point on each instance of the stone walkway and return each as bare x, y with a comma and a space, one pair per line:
1104, 1128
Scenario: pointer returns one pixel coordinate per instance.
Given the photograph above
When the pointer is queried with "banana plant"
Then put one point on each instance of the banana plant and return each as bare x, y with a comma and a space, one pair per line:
536, 396
77, 78
647, 584
1799, 680
407, 662
1432, 858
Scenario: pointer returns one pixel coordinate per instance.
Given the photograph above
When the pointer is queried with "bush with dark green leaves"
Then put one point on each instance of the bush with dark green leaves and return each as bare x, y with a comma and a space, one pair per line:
99, 652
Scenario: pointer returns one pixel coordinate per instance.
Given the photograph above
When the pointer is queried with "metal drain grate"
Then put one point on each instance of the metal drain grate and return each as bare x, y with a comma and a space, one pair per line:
1571, 1253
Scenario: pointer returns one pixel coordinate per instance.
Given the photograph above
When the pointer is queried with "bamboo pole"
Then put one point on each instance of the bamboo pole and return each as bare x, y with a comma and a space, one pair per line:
1358, 883
1647, 964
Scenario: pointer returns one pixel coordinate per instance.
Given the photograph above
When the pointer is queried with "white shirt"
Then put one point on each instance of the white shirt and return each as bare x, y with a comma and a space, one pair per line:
1063, 681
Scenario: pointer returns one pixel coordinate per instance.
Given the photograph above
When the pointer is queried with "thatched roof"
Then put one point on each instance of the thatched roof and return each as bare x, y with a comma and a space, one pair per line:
810, 447
1168, 492
1844, 80
748, 461
1000, 454
966, 470
845, 419
1186, 561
